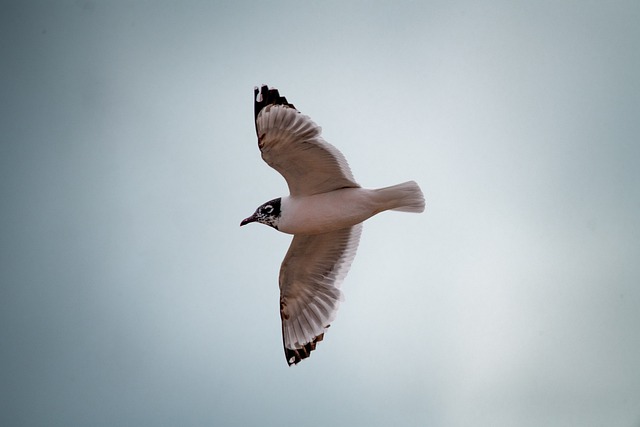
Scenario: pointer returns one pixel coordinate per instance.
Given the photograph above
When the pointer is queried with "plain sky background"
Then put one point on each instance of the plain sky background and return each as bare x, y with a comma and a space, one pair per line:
130, 296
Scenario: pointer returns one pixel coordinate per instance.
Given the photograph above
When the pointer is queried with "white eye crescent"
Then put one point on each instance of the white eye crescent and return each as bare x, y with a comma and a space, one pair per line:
268, 209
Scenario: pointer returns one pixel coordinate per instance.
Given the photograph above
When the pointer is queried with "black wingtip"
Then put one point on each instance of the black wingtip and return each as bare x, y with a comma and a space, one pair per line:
294, 356
264, 96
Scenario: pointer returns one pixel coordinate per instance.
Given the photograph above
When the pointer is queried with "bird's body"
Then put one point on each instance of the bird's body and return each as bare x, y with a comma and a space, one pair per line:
324, 212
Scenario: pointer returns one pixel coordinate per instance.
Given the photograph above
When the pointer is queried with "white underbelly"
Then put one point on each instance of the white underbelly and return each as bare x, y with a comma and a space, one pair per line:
326, 212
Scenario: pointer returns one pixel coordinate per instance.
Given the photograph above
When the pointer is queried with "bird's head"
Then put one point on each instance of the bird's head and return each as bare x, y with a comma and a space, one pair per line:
267, 213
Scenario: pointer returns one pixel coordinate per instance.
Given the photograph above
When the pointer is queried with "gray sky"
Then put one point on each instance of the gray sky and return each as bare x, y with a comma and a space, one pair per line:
130, 296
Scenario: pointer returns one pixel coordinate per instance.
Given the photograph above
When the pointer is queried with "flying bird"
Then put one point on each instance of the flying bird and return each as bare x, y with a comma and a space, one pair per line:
324, 211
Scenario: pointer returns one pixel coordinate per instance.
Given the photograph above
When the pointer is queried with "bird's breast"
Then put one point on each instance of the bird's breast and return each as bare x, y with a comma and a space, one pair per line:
322, 213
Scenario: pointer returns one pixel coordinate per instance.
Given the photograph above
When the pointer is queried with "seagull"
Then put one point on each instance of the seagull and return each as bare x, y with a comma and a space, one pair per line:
324, 212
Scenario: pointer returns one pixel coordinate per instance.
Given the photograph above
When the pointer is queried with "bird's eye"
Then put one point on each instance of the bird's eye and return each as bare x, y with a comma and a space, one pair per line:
268, 209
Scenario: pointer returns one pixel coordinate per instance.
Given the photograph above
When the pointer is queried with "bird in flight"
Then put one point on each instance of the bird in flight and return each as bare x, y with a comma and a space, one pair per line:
324, 212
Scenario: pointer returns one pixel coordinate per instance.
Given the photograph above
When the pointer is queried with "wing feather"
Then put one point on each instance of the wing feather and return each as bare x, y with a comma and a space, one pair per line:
310, 279
291, 143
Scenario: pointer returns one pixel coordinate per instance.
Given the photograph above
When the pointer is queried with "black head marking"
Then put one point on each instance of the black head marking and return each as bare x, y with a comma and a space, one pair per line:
269, 213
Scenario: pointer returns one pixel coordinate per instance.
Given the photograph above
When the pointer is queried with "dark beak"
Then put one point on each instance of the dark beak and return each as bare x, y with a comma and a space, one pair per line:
246, 221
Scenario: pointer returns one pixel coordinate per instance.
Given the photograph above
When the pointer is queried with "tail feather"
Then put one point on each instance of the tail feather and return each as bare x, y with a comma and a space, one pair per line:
405, 197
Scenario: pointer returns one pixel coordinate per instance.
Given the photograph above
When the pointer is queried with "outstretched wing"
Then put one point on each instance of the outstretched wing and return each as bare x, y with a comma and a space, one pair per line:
290, 142
310, 279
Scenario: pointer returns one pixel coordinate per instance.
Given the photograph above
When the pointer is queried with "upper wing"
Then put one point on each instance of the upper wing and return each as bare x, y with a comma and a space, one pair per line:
310, 279
290, 143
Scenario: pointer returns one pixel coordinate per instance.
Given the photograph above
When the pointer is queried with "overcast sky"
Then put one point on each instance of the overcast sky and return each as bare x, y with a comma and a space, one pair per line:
130, 295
